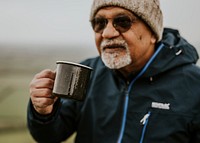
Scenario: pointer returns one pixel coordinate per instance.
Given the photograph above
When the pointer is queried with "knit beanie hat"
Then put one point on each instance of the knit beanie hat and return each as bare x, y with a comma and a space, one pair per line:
148, 10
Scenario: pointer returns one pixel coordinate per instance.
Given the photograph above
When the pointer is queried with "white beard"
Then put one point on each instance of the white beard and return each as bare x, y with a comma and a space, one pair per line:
115, 60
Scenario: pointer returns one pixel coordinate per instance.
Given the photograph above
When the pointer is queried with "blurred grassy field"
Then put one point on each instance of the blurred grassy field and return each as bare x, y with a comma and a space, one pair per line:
17, 68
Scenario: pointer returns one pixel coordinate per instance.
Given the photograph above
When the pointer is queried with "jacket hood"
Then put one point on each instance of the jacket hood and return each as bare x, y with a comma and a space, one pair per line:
176, 52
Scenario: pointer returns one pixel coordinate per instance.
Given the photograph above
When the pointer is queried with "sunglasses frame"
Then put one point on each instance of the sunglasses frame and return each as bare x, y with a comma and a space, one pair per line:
122, 23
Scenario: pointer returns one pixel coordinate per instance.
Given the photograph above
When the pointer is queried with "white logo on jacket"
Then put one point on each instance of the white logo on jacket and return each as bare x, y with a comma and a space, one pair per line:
158, 105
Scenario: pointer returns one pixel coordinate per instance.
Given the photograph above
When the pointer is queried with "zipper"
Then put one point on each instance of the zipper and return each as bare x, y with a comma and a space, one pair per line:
144, 121
128, 92
124, 118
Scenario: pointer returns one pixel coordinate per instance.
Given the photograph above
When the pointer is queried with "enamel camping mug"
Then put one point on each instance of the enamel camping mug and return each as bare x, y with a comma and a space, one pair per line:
71, 80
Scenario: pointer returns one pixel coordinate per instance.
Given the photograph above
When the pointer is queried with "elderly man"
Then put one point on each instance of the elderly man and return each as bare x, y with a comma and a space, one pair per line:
144, 87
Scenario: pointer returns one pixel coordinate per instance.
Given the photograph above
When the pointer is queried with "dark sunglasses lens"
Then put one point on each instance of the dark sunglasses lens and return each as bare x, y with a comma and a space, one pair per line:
122, 23
99, 24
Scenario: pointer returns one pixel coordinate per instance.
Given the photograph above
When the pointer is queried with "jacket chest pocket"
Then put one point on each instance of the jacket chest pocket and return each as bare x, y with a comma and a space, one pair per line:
163, 126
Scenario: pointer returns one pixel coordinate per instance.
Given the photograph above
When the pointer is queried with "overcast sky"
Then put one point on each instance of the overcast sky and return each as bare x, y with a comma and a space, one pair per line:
67, 21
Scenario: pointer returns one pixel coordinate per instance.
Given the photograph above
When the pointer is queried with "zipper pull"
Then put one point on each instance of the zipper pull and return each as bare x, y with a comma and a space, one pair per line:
145, 118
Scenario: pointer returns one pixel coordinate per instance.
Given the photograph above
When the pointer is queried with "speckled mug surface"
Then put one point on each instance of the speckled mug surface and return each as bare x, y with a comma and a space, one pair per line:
71, 80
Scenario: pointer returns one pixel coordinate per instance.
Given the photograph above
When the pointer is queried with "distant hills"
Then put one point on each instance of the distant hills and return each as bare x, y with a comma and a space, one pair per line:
29, 58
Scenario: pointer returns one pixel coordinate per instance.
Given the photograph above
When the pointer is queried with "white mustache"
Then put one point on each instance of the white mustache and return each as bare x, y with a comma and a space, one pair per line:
109, 43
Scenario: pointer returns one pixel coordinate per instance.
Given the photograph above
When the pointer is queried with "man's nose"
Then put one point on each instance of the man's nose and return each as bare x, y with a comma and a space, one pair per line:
110, 31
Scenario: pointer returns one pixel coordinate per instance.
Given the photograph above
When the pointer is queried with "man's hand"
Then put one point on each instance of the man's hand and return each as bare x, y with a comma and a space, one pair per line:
41, 91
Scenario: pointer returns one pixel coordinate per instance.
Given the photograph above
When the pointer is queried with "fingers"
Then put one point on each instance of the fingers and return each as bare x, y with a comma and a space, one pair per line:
43, 102
46, 74
41, 91
44, 79
43, 105
42, 83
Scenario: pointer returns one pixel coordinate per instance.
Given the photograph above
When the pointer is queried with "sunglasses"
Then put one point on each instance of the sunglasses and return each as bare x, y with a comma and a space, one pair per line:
121, 23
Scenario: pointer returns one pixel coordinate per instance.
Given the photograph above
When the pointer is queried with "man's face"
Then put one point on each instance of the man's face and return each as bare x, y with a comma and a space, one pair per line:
120, 44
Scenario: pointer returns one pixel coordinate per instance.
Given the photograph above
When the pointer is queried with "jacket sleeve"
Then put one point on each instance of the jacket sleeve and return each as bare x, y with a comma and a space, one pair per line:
53, 128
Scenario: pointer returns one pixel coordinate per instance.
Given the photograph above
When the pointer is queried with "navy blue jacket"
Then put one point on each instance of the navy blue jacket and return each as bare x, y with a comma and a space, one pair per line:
159, 105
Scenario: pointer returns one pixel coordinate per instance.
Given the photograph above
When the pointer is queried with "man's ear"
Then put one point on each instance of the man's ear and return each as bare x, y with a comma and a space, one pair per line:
153, 38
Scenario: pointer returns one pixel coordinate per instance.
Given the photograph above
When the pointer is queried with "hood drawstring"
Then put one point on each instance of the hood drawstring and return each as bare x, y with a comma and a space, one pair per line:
151, 79
178, 52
